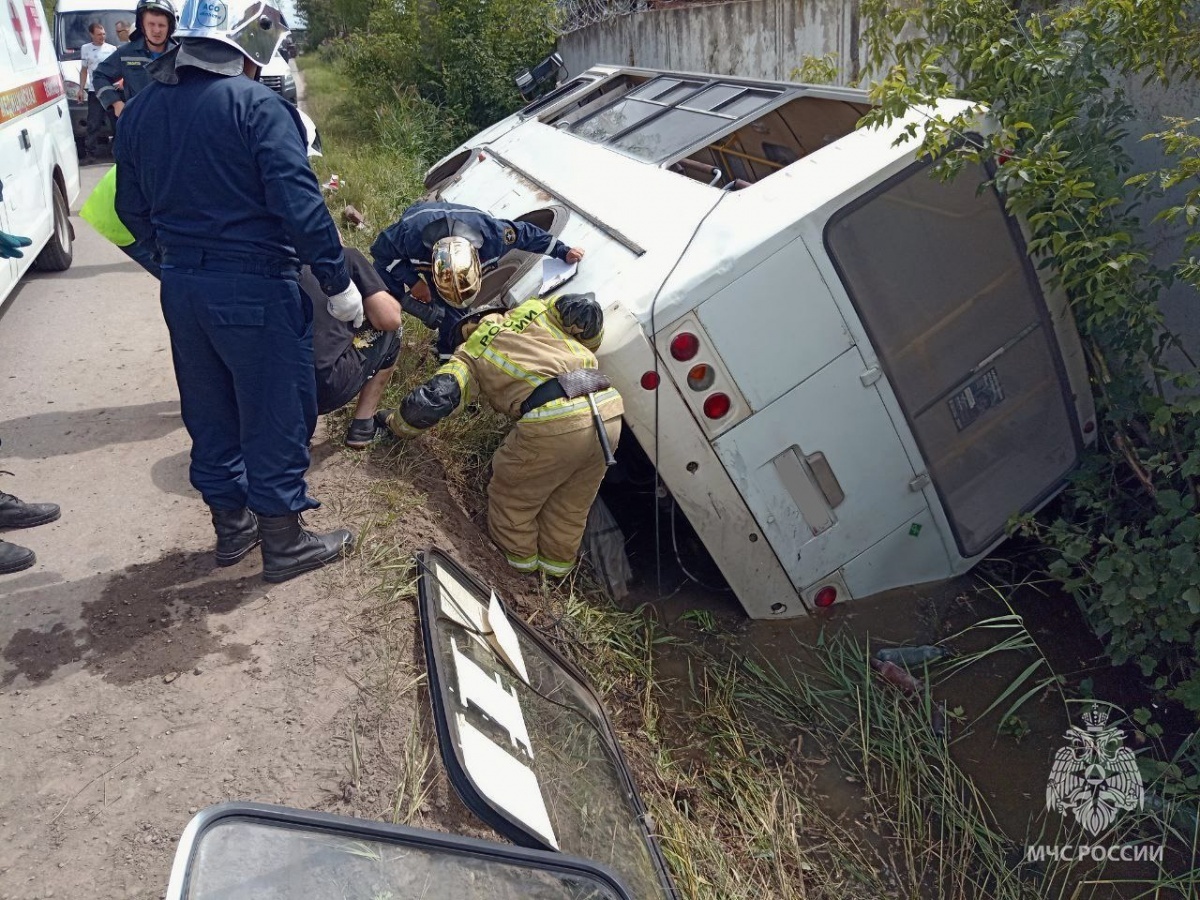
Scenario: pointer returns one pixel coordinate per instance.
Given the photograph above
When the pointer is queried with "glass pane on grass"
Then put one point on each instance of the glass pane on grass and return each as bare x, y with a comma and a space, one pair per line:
243, 858
530, 748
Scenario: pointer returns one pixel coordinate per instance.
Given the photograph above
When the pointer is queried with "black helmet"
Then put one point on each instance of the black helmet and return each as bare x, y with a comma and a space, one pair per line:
473, 317
166, 7
581, 315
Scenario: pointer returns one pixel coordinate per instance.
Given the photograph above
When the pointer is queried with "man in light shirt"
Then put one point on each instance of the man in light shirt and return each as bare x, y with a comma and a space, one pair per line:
93, 54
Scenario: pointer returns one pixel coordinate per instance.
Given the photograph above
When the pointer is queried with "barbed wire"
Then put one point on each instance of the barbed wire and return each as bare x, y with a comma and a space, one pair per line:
572, 15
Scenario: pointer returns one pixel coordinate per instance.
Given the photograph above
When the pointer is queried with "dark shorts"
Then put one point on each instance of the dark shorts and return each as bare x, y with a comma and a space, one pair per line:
380, 355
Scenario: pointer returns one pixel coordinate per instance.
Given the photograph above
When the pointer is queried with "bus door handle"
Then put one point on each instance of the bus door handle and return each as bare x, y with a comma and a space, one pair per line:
26, 144
825, 479
810, 482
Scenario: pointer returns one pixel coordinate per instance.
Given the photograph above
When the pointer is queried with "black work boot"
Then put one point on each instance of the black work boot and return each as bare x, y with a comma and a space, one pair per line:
237, 534
15, 513
14, 558
289, 549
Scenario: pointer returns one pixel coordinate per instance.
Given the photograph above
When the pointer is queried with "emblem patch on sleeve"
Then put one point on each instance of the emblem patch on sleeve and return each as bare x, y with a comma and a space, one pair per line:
510, 235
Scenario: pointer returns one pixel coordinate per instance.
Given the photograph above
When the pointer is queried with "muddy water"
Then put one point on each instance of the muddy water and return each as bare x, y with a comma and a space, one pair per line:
1010, 765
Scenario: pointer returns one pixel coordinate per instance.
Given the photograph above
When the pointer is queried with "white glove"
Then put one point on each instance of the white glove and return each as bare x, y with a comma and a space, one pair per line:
347, 306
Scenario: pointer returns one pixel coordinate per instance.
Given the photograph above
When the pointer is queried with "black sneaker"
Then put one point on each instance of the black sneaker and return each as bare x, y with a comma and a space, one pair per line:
14, 513
14, 558
360, 433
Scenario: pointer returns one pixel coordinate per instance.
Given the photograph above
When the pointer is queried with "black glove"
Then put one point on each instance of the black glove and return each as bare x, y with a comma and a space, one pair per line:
431, 402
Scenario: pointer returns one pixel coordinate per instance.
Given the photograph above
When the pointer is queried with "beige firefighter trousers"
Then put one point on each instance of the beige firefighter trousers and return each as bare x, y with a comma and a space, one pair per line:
542, 488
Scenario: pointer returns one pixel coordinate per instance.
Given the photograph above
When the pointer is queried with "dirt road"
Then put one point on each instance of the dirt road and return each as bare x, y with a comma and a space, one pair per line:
137, 681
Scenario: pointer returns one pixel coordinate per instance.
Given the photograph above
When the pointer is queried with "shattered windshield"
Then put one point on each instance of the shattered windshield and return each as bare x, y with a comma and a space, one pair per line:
667, 115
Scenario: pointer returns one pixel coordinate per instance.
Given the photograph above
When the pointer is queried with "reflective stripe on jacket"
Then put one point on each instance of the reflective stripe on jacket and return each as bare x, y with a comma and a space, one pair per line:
508, 355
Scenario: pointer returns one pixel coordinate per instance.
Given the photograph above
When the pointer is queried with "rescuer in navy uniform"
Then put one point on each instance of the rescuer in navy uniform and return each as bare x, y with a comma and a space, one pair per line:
212, 172
403, 252
129, 65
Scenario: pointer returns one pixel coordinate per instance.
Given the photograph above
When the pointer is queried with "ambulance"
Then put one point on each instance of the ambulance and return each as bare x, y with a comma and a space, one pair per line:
847, 371
38, 165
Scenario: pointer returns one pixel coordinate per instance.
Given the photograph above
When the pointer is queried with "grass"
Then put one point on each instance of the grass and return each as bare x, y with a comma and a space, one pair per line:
380, 174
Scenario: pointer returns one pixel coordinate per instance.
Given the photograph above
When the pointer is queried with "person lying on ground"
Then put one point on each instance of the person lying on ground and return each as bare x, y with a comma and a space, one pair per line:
353, 361
436, 286
546, 473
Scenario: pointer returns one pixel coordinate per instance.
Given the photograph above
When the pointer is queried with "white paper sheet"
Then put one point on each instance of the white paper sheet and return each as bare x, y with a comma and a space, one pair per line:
554, 273
504, 639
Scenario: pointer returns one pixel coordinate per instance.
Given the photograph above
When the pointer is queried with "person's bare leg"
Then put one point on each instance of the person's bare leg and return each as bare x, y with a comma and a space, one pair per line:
372, 393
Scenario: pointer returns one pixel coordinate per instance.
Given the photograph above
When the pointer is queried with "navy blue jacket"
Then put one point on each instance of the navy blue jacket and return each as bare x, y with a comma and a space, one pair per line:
402, 251
129, 62
219, 164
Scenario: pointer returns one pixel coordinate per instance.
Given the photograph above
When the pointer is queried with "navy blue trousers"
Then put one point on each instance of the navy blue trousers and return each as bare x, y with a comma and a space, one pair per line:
243, 352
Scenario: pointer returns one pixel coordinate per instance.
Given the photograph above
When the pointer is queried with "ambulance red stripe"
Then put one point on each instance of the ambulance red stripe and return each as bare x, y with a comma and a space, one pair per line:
26, 98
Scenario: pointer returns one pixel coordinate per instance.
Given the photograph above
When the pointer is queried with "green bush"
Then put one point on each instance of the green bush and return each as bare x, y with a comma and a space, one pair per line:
1125, 541
459, 55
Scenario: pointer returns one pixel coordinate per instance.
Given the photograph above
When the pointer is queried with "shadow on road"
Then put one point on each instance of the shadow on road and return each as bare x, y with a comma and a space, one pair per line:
47, 434
147, 621
80, 273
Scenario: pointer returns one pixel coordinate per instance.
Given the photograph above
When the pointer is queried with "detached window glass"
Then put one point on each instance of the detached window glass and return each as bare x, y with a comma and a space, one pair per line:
246, 857
524, 740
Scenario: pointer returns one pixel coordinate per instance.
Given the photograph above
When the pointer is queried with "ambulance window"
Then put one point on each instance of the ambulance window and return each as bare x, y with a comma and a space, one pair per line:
939, 276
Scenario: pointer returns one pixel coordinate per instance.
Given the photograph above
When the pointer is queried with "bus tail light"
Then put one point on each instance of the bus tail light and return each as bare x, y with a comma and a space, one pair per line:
716, 405
826, 597
684, 346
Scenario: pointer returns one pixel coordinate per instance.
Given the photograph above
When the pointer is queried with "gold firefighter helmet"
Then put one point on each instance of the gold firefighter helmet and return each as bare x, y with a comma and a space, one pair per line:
456, 272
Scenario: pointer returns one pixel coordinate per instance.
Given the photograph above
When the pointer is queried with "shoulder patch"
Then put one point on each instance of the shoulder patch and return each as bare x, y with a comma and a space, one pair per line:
510, 235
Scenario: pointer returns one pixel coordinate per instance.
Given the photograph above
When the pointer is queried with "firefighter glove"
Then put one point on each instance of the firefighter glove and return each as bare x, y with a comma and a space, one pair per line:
347, 306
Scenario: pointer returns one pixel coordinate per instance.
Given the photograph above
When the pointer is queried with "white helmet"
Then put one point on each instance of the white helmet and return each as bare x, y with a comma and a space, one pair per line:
250, 26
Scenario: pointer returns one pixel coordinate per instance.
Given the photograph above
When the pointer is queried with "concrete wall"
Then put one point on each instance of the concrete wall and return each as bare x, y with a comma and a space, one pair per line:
755, 38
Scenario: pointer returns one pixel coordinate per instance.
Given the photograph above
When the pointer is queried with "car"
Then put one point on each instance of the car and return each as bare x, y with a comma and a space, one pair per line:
38, 165
278, 76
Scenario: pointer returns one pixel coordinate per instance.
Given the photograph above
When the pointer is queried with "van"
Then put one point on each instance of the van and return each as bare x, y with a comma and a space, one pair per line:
71, 21
277, 75
37, 154
847, 371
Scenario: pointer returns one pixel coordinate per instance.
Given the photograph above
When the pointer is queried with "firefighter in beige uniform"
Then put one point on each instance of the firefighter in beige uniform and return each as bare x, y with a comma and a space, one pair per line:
547, 472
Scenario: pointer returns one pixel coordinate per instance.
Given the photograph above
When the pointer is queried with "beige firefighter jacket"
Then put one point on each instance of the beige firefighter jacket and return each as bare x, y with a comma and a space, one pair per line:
510, 354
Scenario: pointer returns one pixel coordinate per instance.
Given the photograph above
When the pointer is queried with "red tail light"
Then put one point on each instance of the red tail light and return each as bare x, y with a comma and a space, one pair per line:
650, 380
826, 596
684, 346
716, 405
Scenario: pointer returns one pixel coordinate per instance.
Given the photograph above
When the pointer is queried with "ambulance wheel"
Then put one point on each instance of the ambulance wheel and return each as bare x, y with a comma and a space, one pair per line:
56, 256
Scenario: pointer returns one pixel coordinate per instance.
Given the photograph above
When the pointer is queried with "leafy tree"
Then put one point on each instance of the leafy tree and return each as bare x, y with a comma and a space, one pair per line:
1126, 538
460, 55
325, 19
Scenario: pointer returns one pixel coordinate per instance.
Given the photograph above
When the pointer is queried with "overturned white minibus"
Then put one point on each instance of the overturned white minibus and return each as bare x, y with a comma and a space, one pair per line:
859, 375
